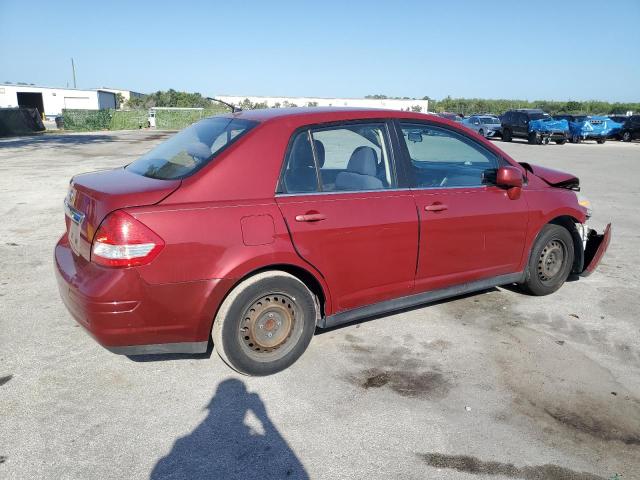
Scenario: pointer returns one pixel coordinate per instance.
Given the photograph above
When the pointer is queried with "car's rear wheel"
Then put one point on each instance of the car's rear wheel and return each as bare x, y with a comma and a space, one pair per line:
601, 140
576, 139
265, 324
506, 135
562, 141
626, 136
550, 261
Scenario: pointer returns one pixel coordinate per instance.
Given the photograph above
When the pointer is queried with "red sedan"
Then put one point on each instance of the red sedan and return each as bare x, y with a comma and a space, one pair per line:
254, 228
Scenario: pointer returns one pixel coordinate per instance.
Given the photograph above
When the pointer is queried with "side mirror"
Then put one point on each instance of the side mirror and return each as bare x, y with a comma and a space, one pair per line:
509, 177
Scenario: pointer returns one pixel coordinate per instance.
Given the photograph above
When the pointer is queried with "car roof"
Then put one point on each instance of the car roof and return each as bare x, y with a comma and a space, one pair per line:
310, 115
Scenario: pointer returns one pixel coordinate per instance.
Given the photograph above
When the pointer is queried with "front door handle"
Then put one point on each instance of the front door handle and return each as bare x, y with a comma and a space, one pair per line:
436, 207
311, 217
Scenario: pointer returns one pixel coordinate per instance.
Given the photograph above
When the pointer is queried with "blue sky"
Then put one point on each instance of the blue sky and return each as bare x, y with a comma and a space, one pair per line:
493, 49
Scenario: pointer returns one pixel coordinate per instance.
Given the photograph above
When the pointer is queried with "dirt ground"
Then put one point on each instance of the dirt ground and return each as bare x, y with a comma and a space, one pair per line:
491, 385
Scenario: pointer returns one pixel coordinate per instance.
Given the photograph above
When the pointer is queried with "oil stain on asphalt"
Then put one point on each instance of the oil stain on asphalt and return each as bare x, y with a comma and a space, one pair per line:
5, 379
473, 465
397, 368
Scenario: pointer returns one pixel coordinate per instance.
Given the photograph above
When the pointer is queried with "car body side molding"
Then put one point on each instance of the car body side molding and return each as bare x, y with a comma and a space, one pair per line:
417, 299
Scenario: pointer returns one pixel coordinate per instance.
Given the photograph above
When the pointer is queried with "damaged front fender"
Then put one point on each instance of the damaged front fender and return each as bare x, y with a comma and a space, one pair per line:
596, 247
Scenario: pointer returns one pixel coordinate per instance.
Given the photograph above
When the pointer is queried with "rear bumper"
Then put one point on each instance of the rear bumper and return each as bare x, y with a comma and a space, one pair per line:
597, 245
127, 315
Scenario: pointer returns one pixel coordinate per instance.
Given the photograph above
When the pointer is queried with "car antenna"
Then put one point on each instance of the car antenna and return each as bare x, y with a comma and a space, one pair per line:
233, 108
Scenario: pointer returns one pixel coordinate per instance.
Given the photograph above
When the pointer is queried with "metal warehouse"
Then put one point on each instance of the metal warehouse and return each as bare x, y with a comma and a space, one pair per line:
51, 101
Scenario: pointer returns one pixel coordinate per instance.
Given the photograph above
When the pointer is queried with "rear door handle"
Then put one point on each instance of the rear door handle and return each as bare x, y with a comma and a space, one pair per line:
311, 217
436, 207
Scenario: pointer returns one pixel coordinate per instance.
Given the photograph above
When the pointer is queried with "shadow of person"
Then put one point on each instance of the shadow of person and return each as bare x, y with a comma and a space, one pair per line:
236, 441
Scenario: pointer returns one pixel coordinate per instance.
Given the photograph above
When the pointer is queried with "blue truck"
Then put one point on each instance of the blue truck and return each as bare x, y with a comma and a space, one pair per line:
590, 127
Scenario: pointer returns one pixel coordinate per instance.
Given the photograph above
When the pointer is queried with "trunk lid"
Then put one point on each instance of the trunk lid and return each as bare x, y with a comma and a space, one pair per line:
92, 196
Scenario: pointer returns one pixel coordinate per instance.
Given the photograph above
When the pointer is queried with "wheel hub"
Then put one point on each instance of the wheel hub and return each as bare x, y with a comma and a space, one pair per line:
551, 260
268, 323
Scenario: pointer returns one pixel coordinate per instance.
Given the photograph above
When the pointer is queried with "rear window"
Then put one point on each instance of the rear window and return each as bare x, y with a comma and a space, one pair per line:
191, 149
489, 120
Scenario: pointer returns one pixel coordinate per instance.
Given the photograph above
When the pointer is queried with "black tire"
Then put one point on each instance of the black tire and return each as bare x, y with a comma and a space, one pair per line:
626, 136
561, 141
481, 132
534, 139
600, 141
550, 262
576, 139
252, 315
506, 135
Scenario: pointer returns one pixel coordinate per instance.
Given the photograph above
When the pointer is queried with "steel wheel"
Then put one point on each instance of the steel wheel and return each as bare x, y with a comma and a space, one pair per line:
268, 325
551, 261
265, 323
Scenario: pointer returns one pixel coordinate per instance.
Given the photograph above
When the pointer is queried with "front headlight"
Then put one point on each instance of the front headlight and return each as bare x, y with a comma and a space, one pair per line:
585, 203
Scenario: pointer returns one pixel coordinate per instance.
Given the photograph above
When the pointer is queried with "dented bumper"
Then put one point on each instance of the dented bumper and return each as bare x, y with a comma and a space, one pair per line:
595, 248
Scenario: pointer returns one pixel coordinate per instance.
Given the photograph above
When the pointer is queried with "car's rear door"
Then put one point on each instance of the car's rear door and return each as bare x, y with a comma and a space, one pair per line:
469, 228
347, 218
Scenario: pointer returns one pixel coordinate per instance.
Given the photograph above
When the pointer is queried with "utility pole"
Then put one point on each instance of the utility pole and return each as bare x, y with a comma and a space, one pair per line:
73, 68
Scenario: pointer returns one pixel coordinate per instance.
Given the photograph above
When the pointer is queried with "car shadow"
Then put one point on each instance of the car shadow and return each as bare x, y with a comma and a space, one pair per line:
55, 140
320, 331
225, 446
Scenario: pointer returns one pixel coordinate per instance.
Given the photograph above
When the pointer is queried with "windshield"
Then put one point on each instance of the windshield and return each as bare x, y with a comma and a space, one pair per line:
539, 116
190, 149
489, 120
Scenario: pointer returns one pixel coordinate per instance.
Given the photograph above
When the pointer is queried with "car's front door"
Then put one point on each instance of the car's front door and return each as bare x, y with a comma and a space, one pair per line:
345, 214
469, 228
521, 125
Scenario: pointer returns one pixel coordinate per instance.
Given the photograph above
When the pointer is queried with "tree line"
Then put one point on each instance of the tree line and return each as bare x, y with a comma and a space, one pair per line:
465, 106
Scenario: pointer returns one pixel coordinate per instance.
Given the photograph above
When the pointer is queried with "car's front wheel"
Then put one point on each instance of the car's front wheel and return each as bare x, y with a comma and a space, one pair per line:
534, 139
481, 132
550, 262
506, 135
601, 140
265, 324
626, 136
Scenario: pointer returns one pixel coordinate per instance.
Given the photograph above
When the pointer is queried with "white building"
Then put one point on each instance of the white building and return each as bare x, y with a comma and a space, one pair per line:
126, 94
51, 101
389, 103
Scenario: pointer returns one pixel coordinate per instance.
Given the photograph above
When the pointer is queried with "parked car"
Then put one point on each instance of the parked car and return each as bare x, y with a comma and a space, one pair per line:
619, 118
454, 117
486, 125
255, 228
589, 127
535, 125
630, 130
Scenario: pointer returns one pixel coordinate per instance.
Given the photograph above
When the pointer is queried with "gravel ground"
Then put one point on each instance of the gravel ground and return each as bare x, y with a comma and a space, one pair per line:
495, 383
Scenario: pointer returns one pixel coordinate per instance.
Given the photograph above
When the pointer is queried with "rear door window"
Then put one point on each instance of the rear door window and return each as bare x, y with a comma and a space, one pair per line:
351, 157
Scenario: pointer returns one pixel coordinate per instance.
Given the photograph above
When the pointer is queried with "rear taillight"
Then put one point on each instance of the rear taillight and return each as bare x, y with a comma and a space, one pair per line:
123, 241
